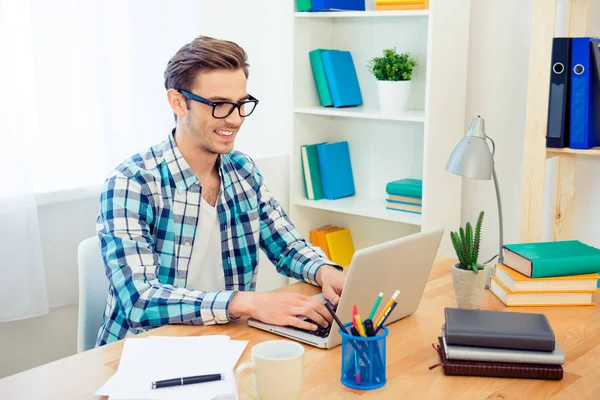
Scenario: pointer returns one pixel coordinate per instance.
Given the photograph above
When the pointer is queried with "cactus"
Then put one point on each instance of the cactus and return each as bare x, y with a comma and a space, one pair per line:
466, 245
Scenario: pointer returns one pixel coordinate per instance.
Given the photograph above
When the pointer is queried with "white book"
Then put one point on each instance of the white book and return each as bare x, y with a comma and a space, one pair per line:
556, 357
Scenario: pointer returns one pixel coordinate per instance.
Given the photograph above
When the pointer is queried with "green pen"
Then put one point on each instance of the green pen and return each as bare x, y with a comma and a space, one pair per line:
375, 306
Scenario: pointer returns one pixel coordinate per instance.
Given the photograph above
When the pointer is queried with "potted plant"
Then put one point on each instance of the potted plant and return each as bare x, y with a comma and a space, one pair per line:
393, 72
468, 282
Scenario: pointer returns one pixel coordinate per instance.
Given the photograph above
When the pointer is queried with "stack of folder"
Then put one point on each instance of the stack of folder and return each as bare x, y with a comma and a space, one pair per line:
330, 5
499, 344
574, 98
390, 5
335, 78
562, 273
327, 170
335, 242
405, 195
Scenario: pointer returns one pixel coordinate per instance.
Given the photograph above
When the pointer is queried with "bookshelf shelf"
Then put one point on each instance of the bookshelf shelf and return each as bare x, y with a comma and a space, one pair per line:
363, 207
557, 152
361, 112
362, 14
384, 147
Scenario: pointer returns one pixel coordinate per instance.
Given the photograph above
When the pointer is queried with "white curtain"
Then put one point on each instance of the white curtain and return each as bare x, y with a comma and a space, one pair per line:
22, 281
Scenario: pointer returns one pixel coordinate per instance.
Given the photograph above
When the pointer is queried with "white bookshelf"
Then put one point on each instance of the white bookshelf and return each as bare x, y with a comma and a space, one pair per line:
412, 144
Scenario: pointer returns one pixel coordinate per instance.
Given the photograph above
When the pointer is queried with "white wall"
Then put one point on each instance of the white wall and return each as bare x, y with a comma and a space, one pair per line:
496, 90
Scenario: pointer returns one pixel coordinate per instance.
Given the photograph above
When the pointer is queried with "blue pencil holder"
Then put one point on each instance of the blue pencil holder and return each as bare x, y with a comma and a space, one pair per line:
363, 360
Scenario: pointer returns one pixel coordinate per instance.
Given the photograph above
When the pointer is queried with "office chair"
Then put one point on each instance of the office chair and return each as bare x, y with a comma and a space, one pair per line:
93, 289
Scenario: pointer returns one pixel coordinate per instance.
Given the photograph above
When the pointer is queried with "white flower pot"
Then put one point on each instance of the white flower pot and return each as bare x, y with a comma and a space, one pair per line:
468, 287
393, 96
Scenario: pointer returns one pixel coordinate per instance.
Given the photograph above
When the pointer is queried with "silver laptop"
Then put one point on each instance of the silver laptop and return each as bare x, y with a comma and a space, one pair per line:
402, 264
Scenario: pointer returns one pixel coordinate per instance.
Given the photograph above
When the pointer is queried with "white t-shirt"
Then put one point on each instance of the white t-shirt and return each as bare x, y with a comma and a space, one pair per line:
205, 271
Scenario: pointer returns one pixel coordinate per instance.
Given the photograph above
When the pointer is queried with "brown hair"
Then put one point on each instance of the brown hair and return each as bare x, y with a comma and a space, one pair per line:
203, 54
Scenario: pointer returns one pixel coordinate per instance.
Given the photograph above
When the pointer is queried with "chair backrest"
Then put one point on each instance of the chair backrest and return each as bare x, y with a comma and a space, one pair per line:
93, 289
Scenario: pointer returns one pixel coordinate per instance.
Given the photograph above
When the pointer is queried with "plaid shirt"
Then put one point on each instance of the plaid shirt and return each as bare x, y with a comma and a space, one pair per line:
149, 212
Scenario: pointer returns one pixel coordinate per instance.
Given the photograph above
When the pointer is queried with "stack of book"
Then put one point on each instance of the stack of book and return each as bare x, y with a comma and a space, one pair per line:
390, 5
562, 273
335, 242
335, 78
499, 344
327, 170
405, 195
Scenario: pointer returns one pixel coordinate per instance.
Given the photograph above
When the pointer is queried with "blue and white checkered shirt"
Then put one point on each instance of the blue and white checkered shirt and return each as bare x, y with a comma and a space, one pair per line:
149, 211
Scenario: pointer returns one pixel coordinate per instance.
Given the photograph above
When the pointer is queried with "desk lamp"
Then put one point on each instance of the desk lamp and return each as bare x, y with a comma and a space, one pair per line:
472, 159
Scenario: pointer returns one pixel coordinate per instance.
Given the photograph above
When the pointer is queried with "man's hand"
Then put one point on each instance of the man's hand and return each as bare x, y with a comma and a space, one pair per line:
280, 308
332, 281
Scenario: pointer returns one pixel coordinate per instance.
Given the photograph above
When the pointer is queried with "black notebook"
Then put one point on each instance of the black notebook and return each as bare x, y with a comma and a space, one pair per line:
498, 329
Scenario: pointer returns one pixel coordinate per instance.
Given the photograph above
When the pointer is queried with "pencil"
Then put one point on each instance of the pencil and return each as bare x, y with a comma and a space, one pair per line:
387, 307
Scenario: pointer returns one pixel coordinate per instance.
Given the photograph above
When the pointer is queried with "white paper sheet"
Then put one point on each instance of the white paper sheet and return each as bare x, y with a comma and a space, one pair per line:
144, 360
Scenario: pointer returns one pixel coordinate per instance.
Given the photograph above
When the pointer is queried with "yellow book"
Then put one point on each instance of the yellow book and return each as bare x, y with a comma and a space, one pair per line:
405, 199
517, 282
396, 2
341, 248
539, 299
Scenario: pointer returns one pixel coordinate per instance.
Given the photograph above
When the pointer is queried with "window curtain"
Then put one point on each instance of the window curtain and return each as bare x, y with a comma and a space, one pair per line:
23, 291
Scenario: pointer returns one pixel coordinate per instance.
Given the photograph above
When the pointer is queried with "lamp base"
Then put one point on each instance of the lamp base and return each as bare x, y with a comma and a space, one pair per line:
490, 272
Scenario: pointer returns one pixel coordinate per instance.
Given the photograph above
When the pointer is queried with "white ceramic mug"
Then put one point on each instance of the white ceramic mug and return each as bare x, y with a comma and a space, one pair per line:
278, 369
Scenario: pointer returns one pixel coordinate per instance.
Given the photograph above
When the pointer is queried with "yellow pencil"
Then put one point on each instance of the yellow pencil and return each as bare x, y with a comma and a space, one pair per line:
387, 307
359, 326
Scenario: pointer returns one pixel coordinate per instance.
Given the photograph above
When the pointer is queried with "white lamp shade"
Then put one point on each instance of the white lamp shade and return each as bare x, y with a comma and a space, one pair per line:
471, 157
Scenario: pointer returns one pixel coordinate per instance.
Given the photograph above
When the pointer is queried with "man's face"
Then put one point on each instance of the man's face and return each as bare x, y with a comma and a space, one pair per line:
216, 136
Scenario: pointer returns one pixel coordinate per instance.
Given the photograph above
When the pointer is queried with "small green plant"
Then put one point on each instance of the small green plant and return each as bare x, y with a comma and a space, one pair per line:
466, 244
392, 66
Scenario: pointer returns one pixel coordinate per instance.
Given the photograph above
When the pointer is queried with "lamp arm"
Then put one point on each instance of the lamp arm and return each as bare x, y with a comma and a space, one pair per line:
500, 218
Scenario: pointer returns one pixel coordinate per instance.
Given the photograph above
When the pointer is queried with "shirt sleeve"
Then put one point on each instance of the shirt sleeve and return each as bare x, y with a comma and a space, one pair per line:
292, 255
132, 264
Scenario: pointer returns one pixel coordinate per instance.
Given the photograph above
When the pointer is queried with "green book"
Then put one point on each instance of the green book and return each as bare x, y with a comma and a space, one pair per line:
312, 173
304, 5
545, 259
405, 187
320, 78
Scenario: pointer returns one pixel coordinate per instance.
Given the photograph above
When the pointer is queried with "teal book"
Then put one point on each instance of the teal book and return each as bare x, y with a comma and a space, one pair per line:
336, 170
304, 5
312, 173
405, 187
318, 70
341, 78
546, 259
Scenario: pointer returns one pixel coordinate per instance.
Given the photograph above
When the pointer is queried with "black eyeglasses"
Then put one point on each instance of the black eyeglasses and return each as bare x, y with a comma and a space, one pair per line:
223, 109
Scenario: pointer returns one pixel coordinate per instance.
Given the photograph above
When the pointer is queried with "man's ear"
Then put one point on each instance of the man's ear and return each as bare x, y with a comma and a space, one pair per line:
177, 102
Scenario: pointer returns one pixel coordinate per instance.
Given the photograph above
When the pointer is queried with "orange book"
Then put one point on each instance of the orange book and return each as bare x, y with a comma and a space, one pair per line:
517, 282
317, 238
390, 5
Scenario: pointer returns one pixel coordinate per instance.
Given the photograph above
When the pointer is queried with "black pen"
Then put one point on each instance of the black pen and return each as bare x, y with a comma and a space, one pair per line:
187, 380
369, 327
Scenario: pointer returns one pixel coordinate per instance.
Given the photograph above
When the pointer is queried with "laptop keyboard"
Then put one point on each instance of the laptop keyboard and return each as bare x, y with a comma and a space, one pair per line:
320, 332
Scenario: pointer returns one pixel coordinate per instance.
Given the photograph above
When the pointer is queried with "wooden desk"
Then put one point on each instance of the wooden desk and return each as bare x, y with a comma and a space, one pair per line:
409, 355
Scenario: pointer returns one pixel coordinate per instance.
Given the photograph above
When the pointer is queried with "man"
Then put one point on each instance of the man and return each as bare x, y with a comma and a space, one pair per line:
181, 224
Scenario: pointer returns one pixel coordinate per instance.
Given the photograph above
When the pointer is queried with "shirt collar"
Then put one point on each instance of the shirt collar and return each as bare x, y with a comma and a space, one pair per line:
182, 173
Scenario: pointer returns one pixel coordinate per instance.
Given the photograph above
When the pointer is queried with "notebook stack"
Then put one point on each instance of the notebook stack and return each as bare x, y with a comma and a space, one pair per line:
394, 5
405, 195
499, 344
562, 273
330, 5
327, 171
335, 78
335, 242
